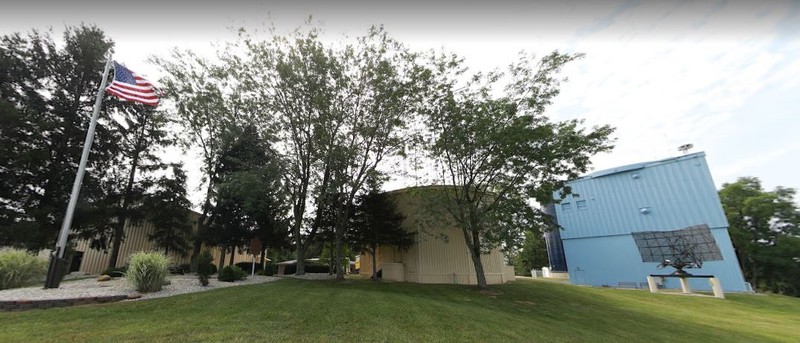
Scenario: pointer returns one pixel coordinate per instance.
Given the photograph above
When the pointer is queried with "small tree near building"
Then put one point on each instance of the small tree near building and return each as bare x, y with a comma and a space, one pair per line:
495, 152
377, 223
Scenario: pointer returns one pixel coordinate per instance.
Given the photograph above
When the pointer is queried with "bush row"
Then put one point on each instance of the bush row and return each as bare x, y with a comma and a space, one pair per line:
310, 268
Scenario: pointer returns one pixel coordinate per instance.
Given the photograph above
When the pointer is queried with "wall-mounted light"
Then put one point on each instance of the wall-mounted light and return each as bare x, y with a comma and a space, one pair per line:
644, 210
635, 175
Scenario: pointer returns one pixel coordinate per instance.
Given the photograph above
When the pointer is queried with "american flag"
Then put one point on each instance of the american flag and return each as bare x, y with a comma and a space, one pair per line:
130, 86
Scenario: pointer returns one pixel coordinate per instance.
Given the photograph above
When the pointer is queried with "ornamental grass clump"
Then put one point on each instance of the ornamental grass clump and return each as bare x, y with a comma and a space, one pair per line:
147, 271
19, 268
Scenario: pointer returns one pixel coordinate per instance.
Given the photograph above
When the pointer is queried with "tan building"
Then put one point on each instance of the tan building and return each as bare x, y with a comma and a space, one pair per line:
92, 261
440, 254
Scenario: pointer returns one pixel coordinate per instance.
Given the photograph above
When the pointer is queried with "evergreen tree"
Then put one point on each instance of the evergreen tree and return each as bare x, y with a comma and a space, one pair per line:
168, 210
46, 99
376, 223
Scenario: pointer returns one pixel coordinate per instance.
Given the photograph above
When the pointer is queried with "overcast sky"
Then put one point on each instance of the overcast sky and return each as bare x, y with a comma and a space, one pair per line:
721, 75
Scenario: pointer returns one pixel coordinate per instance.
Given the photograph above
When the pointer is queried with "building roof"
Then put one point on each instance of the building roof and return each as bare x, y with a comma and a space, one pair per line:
640, 165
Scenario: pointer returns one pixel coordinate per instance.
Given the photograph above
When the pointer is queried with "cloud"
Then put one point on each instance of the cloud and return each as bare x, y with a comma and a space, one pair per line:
666, 74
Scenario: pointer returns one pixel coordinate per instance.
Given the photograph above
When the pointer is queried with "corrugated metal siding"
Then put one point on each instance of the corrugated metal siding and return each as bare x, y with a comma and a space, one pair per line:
678, 194
432, 259
96, 261
608, 260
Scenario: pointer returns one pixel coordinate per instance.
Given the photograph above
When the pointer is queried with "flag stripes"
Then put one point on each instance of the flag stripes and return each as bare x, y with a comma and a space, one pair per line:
129, 86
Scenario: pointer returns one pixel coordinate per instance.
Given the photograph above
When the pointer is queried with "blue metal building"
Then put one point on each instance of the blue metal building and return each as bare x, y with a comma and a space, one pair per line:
605, 207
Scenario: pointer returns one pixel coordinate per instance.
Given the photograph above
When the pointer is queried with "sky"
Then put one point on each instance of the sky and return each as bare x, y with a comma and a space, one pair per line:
723, 76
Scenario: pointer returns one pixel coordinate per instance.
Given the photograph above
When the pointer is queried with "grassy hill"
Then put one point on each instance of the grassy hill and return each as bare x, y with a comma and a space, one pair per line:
359, 310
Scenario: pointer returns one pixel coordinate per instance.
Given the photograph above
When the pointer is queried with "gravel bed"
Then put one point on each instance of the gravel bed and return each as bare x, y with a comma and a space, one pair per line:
179, 284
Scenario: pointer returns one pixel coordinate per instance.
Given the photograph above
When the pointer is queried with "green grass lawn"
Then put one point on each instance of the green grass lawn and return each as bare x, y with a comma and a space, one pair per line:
359, 310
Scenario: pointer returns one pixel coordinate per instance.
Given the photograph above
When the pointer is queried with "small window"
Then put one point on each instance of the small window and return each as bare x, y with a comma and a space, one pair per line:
580, 204
566, 206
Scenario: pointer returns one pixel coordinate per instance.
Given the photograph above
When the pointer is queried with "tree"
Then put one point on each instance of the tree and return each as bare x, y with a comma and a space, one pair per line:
381, 89
376, 222
141, 132
250, 195
295, 78
495, 152
168, 210
210, 106
340, 112
47, 94
764, 228
533, 253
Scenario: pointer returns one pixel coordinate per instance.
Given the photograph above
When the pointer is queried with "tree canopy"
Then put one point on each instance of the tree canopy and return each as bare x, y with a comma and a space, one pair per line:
765, 230
498, 149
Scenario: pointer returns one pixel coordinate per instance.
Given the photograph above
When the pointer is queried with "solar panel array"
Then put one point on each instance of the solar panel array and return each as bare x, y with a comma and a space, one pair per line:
695, 243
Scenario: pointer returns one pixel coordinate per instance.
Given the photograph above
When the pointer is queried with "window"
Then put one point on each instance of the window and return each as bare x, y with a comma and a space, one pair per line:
566, 206
580, 204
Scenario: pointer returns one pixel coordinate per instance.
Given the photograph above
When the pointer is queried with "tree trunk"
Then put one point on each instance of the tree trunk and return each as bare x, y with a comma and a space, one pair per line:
198, 244
203, 222
299, 248
339, 255
374, 262
119, 230
301, 262
474, 244
476, 260
263, 255
221, 256
233, 254
331, 260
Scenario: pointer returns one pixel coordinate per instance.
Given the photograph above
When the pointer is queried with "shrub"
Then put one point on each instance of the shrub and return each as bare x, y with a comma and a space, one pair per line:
318, 268
18, 267
311, 267
179, 269
247, 266
231, 274
205, 267
147, 271
269, 269
116, 272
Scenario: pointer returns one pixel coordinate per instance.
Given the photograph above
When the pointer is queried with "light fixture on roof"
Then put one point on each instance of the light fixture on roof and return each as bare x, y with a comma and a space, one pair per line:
685, 148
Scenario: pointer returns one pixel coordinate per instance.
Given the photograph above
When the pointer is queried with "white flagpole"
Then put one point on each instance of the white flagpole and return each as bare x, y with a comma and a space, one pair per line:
52, 278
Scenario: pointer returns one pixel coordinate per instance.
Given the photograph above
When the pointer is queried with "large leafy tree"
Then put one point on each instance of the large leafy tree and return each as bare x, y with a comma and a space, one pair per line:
339, 113
764, 227
47, 93
295, 76
210, 107
381, 90
377, 223
250, 194
495, 147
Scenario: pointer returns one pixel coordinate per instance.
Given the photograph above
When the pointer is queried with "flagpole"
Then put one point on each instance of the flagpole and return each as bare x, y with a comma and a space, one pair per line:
57, 262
